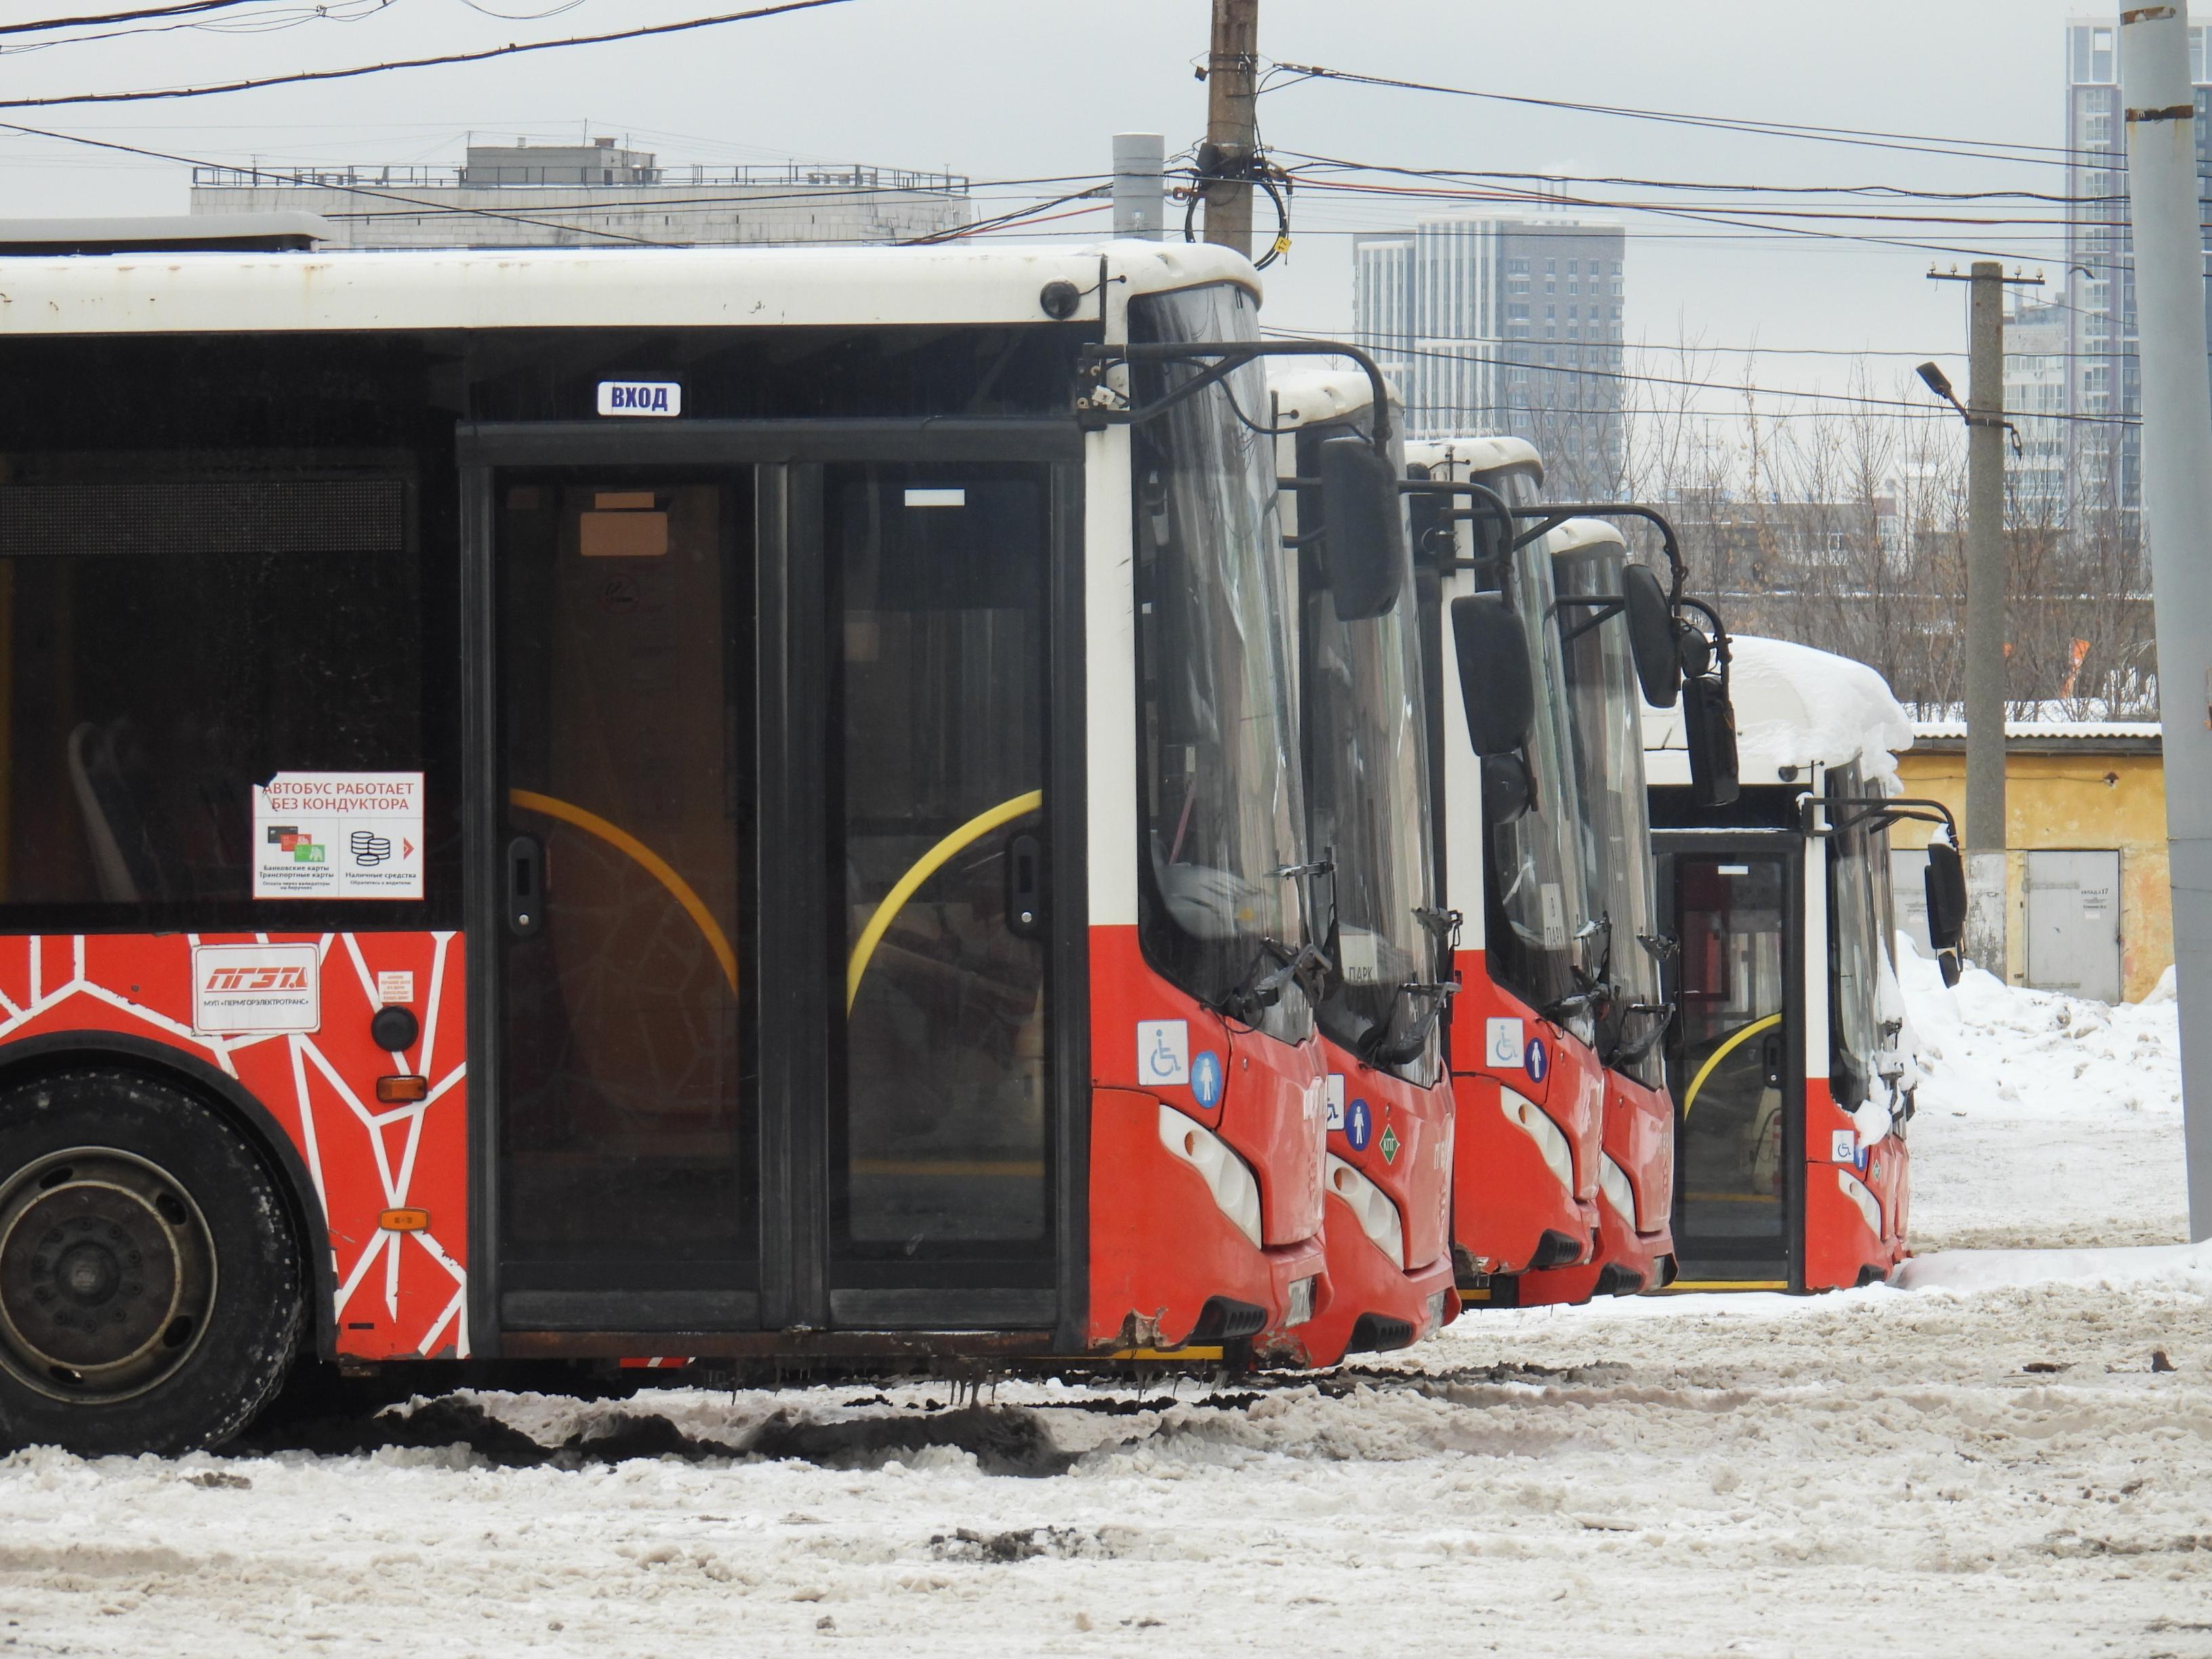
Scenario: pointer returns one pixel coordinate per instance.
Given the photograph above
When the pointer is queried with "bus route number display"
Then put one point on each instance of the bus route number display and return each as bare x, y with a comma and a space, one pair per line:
338, 835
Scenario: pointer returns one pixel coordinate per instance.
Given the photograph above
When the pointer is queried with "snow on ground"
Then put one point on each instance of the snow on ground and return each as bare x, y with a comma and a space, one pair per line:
2013, 1460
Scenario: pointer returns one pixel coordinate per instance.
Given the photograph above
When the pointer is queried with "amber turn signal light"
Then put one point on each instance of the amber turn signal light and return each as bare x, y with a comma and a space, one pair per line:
405, 1221
398, 1091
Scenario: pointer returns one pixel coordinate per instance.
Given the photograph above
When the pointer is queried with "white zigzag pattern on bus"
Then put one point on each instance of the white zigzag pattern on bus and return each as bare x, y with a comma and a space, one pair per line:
386, 1246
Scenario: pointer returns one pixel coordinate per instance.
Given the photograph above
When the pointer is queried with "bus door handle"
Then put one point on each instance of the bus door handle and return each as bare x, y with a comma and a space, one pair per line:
1770, 1057
526, 886
1025, 886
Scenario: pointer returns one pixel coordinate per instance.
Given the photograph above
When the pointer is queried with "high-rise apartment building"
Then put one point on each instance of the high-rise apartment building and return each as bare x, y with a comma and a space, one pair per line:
599, 194
1508, 326
2104, 461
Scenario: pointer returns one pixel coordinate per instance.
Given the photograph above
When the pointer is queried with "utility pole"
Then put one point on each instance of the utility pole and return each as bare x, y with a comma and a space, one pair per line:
1985, 829
1139, 202
1232, 122
2177, 495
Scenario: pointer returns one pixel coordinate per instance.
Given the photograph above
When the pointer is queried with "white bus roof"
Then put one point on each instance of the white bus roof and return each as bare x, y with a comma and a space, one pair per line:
581, 287
1576, 534
1474, 455
1794, 706
1307, 397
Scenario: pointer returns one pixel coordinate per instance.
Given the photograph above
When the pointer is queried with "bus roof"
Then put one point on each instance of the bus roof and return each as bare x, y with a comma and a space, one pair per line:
1307, 397
1577, 534
347, 290
1795, 708
1475, 454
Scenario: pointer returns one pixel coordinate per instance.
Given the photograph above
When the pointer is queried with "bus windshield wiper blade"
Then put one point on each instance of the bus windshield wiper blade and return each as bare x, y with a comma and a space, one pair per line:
1261, 987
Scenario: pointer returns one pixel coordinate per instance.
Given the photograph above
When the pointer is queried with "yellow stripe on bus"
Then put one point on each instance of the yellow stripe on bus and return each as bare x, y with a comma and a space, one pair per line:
650, 861
925, 866
1726, 1284
1690, 1094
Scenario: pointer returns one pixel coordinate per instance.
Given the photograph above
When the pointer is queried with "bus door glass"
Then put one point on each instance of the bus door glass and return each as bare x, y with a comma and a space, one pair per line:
1732, 1065
937, 1137
625, 664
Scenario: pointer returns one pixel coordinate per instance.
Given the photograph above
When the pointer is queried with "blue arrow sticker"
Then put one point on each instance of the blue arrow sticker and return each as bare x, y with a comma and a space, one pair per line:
1538, 1063
1359, 1124
1205, 1077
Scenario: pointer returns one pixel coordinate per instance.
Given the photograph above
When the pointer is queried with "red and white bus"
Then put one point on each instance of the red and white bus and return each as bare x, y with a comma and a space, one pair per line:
1364, 728
1792, 1057
576, 805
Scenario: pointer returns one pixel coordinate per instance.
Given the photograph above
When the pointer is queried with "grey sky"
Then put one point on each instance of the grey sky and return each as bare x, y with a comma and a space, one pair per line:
1019, 88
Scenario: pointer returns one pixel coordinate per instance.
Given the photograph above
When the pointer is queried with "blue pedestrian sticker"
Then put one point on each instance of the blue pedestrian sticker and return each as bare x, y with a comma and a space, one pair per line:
1205, 1077
1359, 1124
1538, 1063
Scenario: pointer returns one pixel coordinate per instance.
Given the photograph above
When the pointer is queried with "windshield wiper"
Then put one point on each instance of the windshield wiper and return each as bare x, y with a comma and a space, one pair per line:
1632, 1052
1377, 1051
1261, 987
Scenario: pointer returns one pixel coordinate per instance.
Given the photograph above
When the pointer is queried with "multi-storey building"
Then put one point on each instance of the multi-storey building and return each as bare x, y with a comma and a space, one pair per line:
1492, 325
2101, 379
2035, 374
594, 194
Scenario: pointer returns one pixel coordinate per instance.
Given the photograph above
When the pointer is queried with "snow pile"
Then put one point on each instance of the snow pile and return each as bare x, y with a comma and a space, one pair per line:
2045, 1120
2170, 1266
1794, 706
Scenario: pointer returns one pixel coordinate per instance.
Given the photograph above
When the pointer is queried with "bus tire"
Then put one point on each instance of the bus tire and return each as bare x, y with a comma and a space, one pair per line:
150, 1282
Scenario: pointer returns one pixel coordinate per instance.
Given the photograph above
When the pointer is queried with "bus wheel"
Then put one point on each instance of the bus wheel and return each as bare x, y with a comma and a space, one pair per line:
149, 1279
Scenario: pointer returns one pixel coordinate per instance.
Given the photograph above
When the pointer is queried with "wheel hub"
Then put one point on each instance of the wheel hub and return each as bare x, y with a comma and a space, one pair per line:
107, 1274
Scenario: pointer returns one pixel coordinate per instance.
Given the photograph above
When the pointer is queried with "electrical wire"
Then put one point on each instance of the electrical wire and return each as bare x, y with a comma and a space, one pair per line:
512, 49
292, 18
102, 19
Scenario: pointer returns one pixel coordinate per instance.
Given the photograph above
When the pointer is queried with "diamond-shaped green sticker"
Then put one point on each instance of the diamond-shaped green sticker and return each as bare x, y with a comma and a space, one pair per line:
1389, 1143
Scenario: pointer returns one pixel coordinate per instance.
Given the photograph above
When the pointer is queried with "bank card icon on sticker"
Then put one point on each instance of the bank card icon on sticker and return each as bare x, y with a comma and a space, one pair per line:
1359, 1124
1205, 1078
1537, 1061
1502, 1042
1164, 1051
1844, 1147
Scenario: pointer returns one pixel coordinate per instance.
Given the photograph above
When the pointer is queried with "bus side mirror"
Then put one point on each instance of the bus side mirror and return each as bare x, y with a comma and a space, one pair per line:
1946, 885
1651, 635
1363, 549
1495, 680
1709, 730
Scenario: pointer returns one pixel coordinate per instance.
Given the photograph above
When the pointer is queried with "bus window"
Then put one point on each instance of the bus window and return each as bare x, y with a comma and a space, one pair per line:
171, 642
1730, 1149
938, 719
1853, 955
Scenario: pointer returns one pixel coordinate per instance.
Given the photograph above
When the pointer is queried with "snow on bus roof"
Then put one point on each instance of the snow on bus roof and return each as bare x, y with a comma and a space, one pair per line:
1308, 396
191, 293
1576, 534
1476, 453
1796, 706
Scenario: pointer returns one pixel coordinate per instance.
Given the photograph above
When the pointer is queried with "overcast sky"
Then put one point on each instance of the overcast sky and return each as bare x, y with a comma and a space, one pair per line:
1002, 89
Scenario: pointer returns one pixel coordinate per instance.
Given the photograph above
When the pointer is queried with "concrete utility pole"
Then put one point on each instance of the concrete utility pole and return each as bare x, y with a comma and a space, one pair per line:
2177, 491
1232, 121
1139, 201
1984, 827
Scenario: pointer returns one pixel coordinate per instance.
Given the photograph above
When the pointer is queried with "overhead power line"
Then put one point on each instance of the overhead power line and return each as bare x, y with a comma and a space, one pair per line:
1977, 149
512, 49
192, 8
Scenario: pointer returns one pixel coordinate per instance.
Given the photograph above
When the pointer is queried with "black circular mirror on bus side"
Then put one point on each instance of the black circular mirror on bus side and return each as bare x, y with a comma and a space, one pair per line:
1651, 635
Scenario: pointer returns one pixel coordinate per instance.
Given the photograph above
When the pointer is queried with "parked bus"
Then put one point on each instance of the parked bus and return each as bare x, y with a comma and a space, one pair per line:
1636, 1161
1791, 1056
577, 805
1363, 721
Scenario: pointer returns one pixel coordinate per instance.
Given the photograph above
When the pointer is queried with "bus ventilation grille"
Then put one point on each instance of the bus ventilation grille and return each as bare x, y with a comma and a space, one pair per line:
1222, 1320
1373, 1333
187, 516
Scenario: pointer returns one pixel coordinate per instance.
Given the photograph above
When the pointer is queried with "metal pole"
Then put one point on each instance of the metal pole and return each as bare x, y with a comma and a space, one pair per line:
1985, 622
2177, 493
1139, 198
1232, 121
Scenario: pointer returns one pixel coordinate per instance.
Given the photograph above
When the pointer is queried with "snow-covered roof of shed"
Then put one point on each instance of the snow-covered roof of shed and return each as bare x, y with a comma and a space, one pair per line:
2086, 731
1796, 706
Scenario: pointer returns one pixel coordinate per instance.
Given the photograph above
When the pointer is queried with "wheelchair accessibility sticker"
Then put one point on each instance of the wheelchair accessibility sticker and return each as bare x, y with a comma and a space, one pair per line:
1164, 1051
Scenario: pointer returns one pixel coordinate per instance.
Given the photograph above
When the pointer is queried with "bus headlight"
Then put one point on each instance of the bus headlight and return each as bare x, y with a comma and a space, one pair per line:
1870, 1207
1379, 1216
1612, 1181
1532, 1120
1236, 1190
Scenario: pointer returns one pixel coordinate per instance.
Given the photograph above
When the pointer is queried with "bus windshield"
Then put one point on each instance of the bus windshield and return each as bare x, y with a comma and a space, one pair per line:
1604, 707
1366, 776
1217, 790
1854, 953
1538, 903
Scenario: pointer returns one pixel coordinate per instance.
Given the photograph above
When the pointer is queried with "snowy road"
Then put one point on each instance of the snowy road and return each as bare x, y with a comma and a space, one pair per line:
1879, 1471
